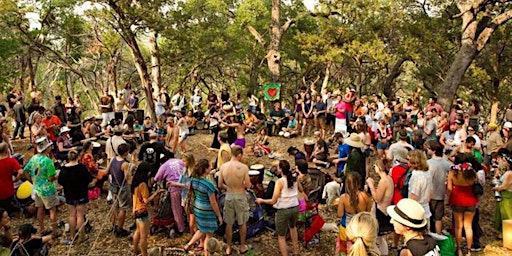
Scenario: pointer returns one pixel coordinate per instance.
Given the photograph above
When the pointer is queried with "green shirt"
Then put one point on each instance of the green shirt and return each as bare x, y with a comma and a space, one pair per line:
41, 168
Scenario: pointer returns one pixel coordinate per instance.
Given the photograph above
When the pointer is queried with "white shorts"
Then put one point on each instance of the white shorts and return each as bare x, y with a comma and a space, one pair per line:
106, 118
340, 125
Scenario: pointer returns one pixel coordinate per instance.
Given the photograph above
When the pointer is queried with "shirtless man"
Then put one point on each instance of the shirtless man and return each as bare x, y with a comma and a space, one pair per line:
234, 178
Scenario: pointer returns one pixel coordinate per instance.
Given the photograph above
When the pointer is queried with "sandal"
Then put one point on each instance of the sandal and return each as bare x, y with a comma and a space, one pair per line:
188, 247
247, 249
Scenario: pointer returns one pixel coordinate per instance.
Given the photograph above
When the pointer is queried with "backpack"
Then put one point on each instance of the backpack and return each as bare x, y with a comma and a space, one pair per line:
149, 155
403, 182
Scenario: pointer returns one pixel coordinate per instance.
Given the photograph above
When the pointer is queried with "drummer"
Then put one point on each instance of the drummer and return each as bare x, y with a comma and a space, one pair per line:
293, 151
234, 178
321, 151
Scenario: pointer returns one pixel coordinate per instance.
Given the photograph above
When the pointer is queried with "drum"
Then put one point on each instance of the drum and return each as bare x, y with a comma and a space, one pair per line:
96, 144
261, 172
254, 176
309, 145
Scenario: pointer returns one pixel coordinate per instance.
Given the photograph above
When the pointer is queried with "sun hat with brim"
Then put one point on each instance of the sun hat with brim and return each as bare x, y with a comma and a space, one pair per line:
400, 154
42, 144
354, 141
409, 213
64, 129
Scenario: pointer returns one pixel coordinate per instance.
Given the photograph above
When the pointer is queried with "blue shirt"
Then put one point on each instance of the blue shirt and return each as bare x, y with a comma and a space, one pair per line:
343, 150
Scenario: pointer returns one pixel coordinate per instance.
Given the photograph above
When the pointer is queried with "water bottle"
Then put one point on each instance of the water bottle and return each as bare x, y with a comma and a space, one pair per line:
497, 196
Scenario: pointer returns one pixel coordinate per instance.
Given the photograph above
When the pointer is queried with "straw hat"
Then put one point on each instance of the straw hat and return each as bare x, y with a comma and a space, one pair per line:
492, 125
354, 141
409, 213
42, 144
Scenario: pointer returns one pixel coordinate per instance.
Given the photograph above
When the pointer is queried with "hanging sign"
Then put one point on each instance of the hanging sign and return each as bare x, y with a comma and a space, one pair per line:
272, 92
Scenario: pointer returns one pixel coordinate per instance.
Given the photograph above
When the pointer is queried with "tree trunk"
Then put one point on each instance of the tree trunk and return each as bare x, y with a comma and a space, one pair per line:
69, 85
387, 87
326, 78
155, 61
31, 70
142, 69
273, 55
460, 64
112, 71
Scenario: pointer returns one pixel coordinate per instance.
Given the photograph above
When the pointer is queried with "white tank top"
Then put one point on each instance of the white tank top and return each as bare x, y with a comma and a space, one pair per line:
289, 196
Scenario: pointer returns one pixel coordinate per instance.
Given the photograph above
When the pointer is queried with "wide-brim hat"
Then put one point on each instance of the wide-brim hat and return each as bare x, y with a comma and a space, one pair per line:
64, 129
354, 141
409, 213
400, 154
492, 125
42, 144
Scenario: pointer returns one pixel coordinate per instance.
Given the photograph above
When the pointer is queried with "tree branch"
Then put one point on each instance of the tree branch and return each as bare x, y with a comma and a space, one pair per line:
287, 25
483, 38
256, 35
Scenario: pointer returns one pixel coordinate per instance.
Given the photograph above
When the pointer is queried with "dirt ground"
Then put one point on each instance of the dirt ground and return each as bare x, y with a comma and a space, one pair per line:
102, 242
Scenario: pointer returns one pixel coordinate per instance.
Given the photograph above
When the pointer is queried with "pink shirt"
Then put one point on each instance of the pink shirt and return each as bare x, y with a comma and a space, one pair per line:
341, 106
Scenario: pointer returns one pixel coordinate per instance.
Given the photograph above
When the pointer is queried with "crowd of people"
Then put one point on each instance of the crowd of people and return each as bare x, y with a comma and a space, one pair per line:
420, 154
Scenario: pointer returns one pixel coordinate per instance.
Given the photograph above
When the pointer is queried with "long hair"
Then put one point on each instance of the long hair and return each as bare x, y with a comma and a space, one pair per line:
191, 161
353, 182
418, 160
285, 169
200, 168
362, 231
140, 176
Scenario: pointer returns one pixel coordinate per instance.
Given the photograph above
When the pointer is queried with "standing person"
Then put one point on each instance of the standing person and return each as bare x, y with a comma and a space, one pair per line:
151, 153
307, 108
399, 172
186, 176
420, 183
171, 171
319, 112
362, 231
234, 178
178, 101
206, 210
408, 219
183, 130
504, 208
120, 189
52, 124
352, 202
5, 138
75, 178
439, 168
59, 109
340, 124
107, 107
461, 179
42, 173
285, 200
349, 98
21, 118
382, 196
140, 198
430, 127
196, 100
356, 160
213, 117
401, 143
224, 153
9, 167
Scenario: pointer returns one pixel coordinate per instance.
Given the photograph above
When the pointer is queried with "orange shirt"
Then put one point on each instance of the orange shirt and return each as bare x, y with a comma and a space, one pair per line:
51, 131
140, 192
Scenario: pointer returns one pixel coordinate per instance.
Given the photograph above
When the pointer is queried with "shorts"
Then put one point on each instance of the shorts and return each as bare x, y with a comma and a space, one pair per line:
456, 208
240, 142
121, 196
77, 202
106, 118
183, 136
329, 120
285, 219
47, 201
385, 226
321, 157
236, 208
437, 209
320, 123
383, 146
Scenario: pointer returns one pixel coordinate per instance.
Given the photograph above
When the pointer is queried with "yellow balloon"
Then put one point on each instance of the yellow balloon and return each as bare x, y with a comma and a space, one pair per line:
24, 190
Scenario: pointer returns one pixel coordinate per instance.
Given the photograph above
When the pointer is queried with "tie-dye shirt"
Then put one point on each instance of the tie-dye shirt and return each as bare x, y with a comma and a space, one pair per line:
41, 168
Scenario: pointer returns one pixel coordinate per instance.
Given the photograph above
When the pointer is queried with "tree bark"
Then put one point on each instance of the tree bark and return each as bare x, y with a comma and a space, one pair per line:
273, 55
387, 87
155, 61
112, 71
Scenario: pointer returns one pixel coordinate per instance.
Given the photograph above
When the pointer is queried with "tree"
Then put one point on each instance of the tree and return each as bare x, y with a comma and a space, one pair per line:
480, 18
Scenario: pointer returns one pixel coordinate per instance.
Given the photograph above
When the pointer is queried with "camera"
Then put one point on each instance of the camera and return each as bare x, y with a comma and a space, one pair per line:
497, 195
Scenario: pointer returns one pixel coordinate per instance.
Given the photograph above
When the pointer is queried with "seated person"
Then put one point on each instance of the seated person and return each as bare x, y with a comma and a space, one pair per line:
275, 121
250, 121
191, 122
261, 143
296, 153
64, 144
321, 151
28, 243
292, 128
